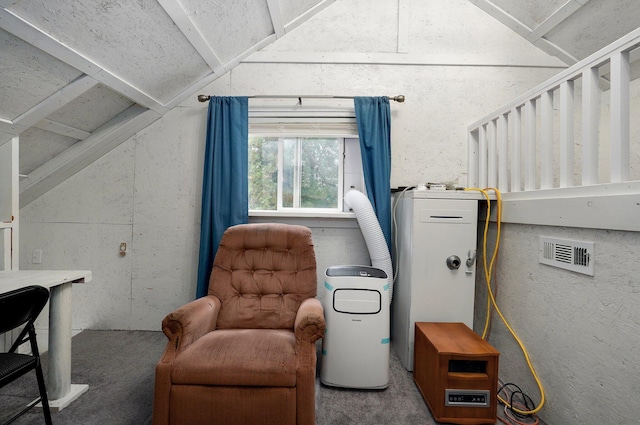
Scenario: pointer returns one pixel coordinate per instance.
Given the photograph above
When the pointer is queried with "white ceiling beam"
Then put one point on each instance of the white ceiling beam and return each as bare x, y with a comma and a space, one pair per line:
198, 85
83, 153
555, 50
502, 16
555, 19
6, 126
135, 118
525, 59
203, 82
192, 90
276, 17
24, 30
523, 30
62, 129
56, 101
191, 32
308, 15
251, 50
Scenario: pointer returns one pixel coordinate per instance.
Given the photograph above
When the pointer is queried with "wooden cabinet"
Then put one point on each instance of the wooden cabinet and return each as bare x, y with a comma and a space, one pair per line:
457, 373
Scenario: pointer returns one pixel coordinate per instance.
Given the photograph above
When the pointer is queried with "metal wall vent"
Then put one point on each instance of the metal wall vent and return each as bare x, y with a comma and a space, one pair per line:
566, 254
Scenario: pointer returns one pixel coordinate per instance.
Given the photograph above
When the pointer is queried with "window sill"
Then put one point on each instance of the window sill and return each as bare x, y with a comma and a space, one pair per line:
310, 219
302, 214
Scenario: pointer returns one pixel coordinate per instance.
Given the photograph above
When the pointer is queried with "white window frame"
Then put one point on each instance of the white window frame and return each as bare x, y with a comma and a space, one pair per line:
297, 180
313, 124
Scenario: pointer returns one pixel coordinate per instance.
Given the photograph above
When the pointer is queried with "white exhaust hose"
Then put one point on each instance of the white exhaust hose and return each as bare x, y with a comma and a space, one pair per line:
372, 232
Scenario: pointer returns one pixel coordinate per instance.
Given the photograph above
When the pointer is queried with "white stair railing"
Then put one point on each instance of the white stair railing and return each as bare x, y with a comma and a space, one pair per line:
531, 143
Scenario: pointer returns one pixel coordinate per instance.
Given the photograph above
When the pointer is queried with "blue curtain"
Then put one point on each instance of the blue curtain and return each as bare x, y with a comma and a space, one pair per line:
225, 187
373, 116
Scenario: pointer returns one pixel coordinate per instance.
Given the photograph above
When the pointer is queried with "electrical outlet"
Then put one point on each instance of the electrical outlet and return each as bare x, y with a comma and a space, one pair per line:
36, 256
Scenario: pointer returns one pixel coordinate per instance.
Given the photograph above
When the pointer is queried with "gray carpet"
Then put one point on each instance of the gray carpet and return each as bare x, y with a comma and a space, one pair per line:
119, 368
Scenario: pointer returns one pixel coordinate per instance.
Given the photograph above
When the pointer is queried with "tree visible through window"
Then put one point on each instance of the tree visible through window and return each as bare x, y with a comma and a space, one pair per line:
295, 172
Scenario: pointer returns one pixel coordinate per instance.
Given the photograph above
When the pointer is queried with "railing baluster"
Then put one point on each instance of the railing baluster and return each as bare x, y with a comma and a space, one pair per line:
530, 145
516, 143
492, 153
503, 164
566, 133
620, 77
546, 140
472, 159
590, 125
482, 148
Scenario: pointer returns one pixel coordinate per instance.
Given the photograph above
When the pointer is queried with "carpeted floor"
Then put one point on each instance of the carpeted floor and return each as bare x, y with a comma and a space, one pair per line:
400, 403
119, 368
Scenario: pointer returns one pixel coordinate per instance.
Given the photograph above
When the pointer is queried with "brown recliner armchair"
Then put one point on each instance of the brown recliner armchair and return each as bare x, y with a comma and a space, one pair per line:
246, 353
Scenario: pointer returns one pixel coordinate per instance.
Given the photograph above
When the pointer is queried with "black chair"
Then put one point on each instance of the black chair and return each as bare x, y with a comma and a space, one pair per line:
17, 308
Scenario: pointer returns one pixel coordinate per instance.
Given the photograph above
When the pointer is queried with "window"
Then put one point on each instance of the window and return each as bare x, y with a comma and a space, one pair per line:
295, 172
303, 174
302, 166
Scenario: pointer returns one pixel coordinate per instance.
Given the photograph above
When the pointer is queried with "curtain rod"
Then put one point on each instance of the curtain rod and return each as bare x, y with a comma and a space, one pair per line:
204, 97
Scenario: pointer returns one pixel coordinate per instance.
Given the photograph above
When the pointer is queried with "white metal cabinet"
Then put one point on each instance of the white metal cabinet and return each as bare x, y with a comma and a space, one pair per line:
433, 226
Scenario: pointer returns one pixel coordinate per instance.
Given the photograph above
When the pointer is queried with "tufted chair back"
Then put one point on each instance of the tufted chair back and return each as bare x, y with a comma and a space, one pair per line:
261, 274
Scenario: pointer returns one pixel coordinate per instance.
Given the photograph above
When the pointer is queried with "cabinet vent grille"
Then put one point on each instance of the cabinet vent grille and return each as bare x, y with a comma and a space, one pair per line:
567, 254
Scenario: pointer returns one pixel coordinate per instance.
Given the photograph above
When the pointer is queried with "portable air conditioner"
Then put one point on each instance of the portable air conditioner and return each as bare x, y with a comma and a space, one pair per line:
355, 348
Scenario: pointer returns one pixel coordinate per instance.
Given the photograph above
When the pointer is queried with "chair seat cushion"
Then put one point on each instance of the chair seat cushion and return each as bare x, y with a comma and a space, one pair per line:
239, 357
13, 365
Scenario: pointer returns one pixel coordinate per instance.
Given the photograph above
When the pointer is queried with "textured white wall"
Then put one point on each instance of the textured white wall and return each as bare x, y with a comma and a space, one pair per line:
581, 331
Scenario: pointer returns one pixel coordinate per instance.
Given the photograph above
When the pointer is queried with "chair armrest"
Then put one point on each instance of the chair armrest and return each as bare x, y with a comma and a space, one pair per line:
182, 327
188, 323
309, 324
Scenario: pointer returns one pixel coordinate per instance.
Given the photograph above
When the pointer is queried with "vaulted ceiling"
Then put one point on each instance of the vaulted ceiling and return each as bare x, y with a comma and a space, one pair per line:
79, 77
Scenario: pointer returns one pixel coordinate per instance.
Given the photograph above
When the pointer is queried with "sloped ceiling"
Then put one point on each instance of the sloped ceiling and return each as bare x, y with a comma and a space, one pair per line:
80, 77
568, 29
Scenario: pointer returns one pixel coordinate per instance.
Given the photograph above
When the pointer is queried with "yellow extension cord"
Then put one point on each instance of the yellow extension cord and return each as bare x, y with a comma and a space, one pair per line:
488, 272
